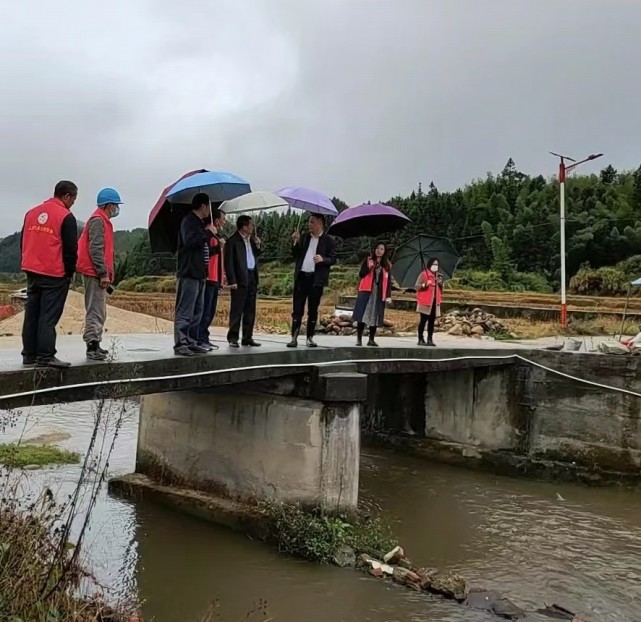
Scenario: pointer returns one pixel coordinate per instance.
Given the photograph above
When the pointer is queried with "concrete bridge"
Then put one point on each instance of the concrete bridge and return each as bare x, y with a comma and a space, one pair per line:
273, 423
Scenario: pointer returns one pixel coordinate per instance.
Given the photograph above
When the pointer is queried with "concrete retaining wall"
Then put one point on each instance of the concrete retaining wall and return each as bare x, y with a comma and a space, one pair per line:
252, 446
519, 418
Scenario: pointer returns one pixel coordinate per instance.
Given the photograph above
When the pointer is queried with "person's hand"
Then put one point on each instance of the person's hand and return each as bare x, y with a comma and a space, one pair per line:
439, 279
257, 241
234, 286
210, 227
105, 282
370, 264
388, 301
222, 242
318, 259
296, 236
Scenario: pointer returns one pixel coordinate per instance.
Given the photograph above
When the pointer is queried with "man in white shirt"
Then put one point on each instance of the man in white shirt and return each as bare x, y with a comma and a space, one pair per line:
315, 254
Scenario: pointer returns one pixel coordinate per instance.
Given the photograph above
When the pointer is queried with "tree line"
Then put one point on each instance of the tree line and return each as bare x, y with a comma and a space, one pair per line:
506, 224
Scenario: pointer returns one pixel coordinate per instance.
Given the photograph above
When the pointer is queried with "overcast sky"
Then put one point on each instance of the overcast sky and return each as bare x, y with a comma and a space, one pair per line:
358, 98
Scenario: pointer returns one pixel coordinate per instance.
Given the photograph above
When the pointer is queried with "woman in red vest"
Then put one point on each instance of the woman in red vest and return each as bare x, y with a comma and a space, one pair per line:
429, 293
374, 290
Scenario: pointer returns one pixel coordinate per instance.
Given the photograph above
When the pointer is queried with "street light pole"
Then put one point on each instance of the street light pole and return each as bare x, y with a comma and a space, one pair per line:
563, 171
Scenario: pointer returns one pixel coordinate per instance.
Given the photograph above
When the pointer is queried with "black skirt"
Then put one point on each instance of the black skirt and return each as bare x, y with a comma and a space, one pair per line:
361, 305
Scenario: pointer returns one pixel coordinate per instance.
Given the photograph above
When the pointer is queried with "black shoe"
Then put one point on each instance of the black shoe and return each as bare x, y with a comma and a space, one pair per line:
251, 343
52, 362
210, 347
102, 350
311, 343
359, 341
422, 343
430, 343
183, 351
293, 343
196, 349
96, 355
233, 344
28, 361
372, 344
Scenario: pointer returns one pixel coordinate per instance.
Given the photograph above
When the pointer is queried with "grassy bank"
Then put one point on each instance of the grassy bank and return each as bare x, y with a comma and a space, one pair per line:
13, 455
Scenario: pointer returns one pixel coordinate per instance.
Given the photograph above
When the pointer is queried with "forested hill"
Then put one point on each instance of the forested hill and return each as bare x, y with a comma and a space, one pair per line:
506, 223
10, 247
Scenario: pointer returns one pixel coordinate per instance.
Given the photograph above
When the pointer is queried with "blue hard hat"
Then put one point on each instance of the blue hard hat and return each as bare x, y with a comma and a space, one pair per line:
108, 196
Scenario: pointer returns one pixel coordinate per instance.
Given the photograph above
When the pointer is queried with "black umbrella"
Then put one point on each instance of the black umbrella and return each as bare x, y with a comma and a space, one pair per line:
369, 220
410, 259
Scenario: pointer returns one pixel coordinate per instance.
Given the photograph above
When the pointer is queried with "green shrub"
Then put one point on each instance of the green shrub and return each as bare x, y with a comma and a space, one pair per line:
317, 538
607, 281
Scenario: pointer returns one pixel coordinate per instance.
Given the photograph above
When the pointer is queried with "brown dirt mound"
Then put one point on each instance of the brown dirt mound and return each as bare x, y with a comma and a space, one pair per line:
119, 321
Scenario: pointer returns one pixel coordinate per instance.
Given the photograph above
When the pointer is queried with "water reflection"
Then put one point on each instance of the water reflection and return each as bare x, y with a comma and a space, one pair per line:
534, 541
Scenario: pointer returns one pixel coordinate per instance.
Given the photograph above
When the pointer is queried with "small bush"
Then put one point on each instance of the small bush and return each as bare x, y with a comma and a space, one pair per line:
317, 538
601, 282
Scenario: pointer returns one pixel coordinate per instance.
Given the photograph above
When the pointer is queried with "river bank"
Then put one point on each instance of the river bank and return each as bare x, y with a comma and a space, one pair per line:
535, 542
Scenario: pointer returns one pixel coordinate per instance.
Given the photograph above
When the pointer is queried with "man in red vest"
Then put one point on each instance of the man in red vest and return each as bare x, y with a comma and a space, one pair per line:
96, 264
49, 247
215, 276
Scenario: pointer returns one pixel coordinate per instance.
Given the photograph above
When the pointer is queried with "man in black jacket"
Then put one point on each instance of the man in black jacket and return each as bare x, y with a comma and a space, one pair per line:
193, 260
241, 269
315, 254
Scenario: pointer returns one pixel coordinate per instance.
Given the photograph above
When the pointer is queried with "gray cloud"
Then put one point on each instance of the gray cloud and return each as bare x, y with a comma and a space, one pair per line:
359, 98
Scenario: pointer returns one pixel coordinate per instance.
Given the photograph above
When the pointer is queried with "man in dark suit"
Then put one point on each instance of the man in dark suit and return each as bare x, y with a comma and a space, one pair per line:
241, 268
315, 254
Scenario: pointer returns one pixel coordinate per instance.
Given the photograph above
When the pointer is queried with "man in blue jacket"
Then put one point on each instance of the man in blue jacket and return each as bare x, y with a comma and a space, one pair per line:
193, 261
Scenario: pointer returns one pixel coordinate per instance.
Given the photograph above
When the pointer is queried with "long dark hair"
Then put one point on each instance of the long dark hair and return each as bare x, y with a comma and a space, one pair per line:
430, 262
385, 263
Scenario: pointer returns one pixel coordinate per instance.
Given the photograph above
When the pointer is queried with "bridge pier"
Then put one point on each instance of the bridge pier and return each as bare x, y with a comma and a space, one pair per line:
251, 446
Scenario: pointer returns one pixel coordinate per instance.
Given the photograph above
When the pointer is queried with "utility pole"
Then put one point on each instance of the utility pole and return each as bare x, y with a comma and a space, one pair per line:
563, 171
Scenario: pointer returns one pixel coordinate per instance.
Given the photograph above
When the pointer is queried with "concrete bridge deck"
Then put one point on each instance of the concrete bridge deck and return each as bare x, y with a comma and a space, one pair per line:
142, 364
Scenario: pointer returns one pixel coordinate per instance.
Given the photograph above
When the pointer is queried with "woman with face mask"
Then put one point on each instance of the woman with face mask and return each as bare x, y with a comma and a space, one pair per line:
374, 290
429, 293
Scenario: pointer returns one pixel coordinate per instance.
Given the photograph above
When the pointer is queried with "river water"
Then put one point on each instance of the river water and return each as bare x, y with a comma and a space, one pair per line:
535, 542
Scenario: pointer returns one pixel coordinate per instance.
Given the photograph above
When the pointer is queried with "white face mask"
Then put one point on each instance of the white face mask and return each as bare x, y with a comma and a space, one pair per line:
434, 268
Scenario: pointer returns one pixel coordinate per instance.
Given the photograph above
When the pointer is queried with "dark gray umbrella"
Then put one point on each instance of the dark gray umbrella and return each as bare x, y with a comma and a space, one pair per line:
410, 259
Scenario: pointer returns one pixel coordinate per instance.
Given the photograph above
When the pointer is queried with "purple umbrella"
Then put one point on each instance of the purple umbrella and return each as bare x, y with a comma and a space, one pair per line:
368, 219
308, 200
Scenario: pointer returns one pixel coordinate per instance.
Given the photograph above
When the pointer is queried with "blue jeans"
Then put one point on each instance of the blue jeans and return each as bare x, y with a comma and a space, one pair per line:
189, 308
209, 311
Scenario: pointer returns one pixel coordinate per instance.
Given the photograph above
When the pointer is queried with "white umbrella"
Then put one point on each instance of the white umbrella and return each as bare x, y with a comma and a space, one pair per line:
253, 202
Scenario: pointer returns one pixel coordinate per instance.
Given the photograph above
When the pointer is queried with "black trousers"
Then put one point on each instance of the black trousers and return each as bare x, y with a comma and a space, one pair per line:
243, 309
46, 297
430, 320
306, 293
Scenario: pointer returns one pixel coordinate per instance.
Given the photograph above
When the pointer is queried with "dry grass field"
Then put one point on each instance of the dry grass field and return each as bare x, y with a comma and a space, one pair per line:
273, 314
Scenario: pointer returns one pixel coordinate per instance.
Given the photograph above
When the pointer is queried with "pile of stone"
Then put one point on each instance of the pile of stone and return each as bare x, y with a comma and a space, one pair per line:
470, 323
396, 567
343, 325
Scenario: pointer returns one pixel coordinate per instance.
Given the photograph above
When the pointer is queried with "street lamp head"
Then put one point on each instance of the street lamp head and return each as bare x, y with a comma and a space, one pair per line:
594, 156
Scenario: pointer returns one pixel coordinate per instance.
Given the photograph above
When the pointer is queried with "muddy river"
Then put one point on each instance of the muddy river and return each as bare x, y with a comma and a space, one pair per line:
535, 542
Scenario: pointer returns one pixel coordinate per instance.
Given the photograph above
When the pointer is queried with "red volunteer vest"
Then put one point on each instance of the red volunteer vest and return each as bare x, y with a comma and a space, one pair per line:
368, 280
215, 272
425, 297
42, 239
85, 265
